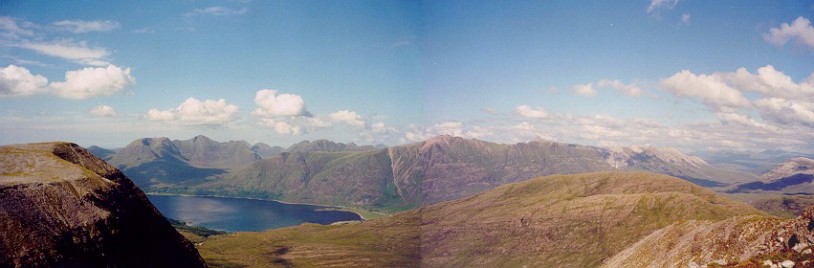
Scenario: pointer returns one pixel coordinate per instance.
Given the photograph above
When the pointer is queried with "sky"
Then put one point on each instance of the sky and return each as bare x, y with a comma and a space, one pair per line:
694, 75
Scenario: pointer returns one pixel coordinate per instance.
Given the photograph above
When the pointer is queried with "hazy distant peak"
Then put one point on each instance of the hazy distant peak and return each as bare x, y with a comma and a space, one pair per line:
797, 165
326, 146
622, 157
202, 138
265, 151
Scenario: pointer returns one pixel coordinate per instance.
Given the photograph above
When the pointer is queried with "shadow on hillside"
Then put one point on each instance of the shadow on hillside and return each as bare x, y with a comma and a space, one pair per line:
168, 171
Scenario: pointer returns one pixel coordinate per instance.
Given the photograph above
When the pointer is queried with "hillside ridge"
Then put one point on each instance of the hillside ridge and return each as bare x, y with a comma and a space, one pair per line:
62, 207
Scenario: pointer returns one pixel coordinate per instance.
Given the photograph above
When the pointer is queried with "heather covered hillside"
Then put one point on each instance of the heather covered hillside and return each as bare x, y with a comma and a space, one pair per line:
555, 221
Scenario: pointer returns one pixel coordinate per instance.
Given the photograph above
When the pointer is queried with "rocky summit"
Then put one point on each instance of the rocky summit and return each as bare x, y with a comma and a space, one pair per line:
62, 207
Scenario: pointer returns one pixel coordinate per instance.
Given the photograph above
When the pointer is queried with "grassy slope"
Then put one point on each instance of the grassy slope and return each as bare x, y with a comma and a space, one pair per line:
387, 242
562, 220
776, 203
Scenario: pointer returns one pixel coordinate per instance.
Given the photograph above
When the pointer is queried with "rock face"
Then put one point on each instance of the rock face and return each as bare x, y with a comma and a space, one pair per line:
62, 207
555, 221
744, 241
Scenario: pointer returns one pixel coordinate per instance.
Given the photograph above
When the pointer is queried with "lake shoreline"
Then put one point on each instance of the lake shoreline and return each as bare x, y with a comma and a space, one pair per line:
327, 207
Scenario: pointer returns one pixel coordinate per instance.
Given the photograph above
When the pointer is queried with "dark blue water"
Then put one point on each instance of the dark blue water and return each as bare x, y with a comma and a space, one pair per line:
239, 215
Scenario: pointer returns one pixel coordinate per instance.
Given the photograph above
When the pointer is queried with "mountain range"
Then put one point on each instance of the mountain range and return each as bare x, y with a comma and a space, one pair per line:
795, 175
392, 178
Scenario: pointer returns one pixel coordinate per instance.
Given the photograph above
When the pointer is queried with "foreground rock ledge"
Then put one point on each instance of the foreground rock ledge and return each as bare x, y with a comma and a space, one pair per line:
62, 207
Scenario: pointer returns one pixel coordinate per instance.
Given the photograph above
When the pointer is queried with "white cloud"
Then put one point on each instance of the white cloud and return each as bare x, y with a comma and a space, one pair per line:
348, 117
711, 89
18, 81
586, 90
657, 6
627, 89
528, 112
771, 82
216, 11
787, 112
685, 18
12, 28
195, 112
270, 104
79, 53
800, 30
103, 111
779, 99
736, 118
453, 128
286, 128
158, 115
524, 126
92, 82
379, 127
81, 26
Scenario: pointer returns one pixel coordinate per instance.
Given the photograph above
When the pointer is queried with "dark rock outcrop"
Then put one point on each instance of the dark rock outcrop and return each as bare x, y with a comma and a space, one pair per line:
62, 207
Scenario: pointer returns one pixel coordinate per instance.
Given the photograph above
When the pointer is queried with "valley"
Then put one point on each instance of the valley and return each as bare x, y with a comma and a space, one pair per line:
608, 218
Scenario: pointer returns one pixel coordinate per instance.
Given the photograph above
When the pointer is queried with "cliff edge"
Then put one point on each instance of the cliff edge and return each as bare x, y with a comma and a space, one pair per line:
62, 207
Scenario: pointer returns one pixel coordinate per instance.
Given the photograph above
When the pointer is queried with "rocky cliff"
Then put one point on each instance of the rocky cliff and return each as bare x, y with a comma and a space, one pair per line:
62, 207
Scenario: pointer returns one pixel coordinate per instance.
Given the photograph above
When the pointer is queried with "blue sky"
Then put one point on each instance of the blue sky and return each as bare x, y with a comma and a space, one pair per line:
695, 75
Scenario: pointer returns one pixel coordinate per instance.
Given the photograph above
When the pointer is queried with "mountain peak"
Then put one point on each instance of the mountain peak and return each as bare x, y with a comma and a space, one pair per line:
793, 166
323, 145
202, 138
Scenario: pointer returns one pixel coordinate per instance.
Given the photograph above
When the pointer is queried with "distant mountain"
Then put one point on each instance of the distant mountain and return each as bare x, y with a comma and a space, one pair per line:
795, 175
100, 152
445, 167
327, 146
395, 178
265, 151
751, 162
555, 221
439, 169
202, 151
672, 162
155, 163
62, 207
794, 166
